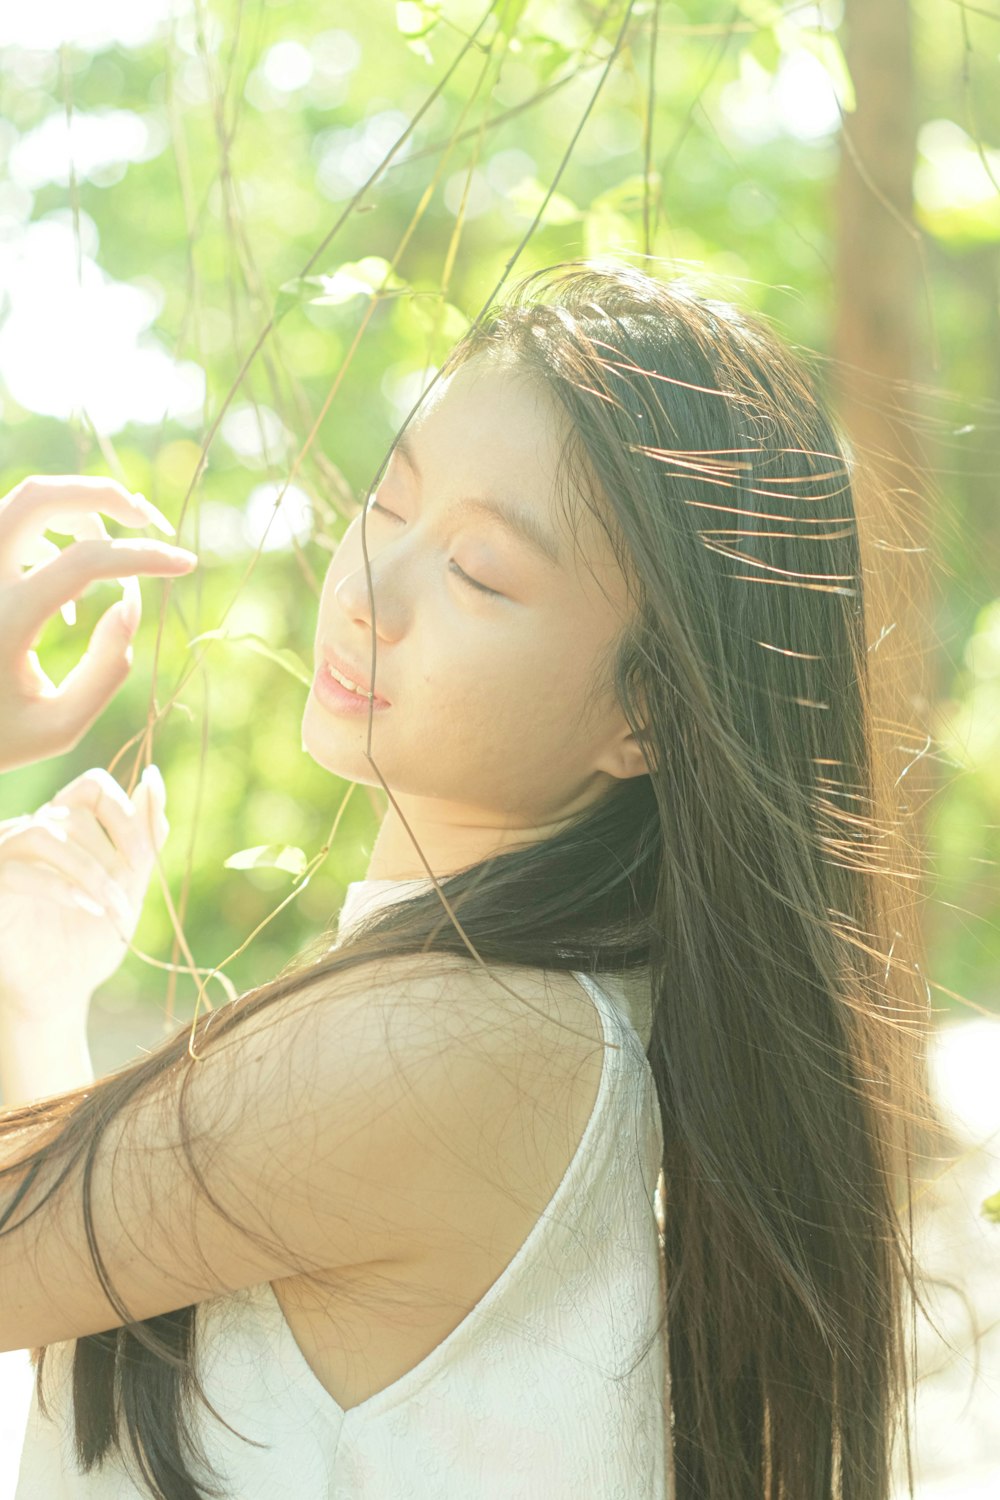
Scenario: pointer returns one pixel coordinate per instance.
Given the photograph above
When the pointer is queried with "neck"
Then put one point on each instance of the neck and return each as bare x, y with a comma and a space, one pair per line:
451, 839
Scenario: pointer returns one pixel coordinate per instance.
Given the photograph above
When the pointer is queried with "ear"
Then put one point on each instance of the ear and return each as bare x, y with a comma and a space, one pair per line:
627, 758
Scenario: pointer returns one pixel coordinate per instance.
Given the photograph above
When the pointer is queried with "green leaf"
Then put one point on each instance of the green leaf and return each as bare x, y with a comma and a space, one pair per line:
269, 857
765, 49
280, 655
369, 277
991, 1208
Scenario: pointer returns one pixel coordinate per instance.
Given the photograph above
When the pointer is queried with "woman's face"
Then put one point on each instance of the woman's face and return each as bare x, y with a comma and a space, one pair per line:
499, 717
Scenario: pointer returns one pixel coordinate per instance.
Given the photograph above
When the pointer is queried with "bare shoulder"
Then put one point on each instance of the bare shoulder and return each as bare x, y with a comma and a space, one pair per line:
370, 1116
441, 1010
501, 1067
494, 1072
446, 1016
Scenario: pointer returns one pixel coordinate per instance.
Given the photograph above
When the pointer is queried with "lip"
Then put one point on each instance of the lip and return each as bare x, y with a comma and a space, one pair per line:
348, 670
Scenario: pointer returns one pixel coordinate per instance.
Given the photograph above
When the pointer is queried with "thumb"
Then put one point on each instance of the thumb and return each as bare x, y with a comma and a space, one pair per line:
104, 665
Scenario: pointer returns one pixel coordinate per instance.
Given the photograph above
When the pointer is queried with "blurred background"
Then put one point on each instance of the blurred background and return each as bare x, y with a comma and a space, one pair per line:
236, 240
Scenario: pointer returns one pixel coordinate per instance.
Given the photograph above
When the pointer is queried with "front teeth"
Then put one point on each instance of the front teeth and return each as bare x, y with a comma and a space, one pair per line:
346, 681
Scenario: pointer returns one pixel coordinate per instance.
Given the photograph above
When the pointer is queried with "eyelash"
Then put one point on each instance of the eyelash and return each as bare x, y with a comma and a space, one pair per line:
459, 572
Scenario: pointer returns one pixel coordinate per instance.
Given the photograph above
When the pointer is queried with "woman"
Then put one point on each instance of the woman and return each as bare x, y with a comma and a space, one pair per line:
388, 1224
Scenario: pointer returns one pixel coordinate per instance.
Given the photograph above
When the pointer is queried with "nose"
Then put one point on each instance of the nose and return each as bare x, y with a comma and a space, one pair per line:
353, 598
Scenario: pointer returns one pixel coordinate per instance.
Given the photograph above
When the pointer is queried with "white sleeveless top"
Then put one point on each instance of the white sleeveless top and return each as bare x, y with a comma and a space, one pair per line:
531, 1397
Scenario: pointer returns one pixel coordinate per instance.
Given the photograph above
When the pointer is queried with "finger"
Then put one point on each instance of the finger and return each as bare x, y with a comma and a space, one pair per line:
89, 524
38, 678
83, 829
22, 878
49, 846
83, 789
97, 792
39, 550
48, 587
28, 506
10, 826
130, 604
88, 687
76, 523
68, 610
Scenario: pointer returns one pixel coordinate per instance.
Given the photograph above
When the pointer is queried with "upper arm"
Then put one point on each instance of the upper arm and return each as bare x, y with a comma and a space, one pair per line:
334, 1129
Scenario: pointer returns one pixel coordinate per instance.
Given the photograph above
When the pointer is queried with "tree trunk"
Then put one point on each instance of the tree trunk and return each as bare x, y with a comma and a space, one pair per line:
880, 339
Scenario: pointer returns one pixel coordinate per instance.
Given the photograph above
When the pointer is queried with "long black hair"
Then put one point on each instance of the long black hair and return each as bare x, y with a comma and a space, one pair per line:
750, 875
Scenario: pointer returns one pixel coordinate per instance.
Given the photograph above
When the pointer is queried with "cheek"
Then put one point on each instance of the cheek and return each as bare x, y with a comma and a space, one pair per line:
509, 687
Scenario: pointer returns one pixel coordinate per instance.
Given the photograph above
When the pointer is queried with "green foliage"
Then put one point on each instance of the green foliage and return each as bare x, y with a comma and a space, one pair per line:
233, 216
281, 657
367, 278
269, 856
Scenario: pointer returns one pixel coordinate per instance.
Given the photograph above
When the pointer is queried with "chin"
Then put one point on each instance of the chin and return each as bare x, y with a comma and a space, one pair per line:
331, 748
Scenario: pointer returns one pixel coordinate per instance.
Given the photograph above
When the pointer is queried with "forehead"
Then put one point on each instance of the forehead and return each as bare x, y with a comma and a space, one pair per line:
499, 411
492, 424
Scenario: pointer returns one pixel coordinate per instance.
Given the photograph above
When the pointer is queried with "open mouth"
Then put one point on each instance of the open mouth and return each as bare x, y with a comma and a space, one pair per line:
349, 678
332, 693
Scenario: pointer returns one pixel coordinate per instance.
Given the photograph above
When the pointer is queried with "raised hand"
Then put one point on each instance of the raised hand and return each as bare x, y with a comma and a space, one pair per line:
37, 719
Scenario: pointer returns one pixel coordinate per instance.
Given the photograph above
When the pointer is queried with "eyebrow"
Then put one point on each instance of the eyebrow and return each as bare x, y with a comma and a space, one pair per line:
519, 522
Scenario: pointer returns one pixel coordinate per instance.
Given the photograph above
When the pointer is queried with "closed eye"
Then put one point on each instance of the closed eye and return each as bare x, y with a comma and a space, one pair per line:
472, 581
460, 572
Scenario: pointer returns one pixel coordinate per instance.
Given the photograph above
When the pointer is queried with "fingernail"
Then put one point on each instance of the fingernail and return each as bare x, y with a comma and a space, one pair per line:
154, 777
181, 554
156, 516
